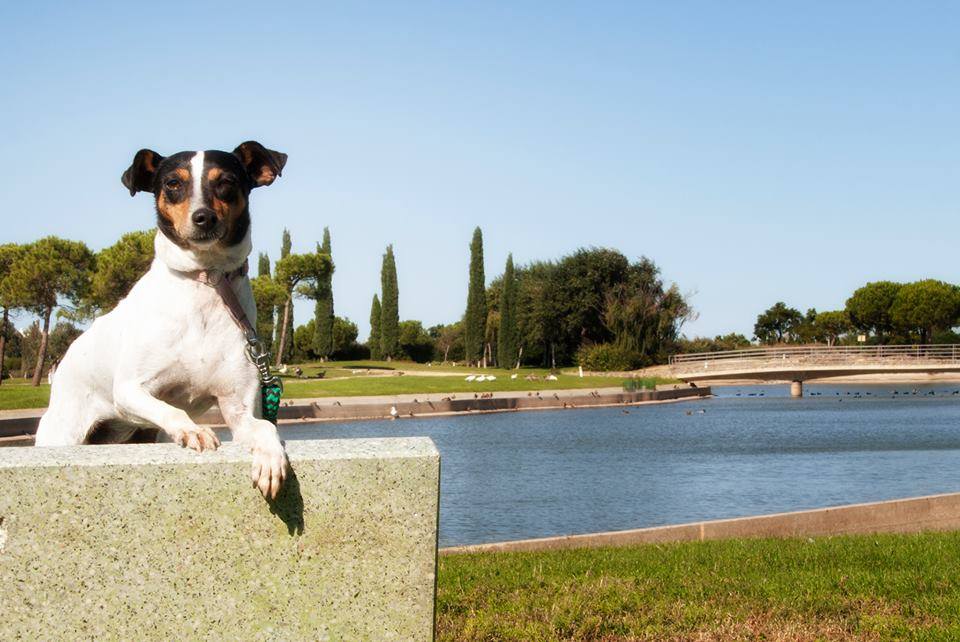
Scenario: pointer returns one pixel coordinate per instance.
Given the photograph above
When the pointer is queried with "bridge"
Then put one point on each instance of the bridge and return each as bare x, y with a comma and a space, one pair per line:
797, 364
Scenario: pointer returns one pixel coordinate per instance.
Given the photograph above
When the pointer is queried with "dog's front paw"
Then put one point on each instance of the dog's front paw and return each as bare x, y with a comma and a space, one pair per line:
269, 467
199, 438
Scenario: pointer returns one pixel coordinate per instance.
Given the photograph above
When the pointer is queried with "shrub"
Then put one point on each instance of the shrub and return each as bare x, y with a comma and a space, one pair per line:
604, 357
646, 383
11, 364
947, 336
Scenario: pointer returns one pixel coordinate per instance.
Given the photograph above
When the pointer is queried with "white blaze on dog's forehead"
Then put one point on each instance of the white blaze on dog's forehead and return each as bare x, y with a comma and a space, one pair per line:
196, 177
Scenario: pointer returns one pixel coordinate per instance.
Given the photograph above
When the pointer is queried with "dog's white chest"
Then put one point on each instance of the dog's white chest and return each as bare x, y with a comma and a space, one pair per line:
190, 344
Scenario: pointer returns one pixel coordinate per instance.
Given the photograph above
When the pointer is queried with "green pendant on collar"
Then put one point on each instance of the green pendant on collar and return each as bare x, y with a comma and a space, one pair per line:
271, 388
270, 400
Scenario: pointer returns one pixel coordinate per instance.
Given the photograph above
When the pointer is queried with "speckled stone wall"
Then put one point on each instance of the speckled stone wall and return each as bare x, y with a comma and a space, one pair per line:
156, 542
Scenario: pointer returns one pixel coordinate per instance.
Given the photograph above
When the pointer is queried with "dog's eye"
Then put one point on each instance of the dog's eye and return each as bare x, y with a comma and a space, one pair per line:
173, 183
228, 181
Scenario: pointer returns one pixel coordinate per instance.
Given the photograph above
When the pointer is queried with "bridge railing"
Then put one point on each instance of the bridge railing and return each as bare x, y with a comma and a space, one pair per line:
938, 353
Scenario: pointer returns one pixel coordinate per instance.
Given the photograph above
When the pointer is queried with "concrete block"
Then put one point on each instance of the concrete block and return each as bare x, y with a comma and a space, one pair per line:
156, 542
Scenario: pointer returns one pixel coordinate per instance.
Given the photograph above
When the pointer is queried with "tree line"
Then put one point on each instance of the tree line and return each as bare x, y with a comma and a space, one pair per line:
593, 307
880, 312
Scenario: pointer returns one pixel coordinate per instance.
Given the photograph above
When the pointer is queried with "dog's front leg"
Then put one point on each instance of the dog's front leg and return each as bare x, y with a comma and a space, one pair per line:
269, 458
136, 404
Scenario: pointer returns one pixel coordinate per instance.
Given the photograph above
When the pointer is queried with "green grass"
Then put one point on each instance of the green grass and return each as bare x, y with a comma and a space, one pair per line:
412, 384
340, 381
849, 587
347, 367
17, 394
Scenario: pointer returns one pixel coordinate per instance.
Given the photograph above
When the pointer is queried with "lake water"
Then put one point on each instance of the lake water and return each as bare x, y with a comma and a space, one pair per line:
533, 474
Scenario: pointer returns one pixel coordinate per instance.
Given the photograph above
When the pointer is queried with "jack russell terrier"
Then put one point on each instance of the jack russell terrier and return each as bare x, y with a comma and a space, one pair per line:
176, 344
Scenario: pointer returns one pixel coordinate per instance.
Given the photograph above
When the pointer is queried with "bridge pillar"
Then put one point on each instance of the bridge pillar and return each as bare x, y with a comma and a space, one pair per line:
796, 388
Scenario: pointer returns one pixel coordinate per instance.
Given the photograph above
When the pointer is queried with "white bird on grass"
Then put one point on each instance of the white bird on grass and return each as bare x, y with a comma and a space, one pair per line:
470, 377
551, 377
491, 378
513, 376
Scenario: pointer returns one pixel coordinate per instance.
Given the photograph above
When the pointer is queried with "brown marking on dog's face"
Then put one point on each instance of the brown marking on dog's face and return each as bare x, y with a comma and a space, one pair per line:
175, 189
223, 192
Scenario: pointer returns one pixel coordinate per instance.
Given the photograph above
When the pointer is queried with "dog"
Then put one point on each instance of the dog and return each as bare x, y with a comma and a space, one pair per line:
172, 348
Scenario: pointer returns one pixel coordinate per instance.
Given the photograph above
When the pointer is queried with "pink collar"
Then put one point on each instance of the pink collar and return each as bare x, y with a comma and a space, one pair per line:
221, 282
214, 277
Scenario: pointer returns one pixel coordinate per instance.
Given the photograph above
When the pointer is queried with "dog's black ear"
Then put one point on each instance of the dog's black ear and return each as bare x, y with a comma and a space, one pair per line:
263, 165
139, 176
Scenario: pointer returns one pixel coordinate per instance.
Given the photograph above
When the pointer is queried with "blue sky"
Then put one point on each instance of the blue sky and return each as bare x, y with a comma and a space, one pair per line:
756, 151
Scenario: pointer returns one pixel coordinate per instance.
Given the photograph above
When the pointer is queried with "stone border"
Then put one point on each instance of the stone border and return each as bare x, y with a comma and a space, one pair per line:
17, 426
228, 453
911, 515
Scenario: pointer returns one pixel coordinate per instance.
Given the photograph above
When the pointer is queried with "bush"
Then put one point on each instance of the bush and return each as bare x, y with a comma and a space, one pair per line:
646, 383
732, 341
415, 343
10, 365
604, 357
354, 351
947, 336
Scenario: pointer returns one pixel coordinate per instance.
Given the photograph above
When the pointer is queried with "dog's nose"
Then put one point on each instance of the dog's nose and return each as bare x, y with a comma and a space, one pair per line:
204, 218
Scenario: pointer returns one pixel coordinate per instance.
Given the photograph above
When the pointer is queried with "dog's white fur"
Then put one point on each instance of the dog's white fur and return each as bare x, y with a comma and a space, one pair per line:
162, 357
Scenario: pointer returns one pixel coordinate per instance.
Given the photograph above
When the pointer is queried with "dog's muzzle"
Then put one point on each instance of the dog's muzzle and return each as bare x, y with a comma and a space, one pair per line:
206, 226
204, 219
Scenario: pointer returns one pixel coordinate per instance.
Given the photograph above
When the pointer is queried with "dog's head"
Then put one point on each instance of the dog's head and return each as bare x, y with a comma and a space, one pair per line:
202, 197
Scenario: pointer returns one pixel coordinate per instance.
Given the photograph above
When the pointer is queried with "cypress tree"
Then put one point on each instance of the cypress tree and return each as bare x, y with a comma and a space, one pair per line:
323, 312
507, 341
287, 356
390, 308
265, 315
475, 319
263, 265
374, 341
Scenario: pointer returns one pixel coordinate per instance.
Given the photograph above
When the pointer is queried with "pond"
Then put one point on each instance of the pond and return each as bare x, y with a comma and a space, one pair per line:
539, 473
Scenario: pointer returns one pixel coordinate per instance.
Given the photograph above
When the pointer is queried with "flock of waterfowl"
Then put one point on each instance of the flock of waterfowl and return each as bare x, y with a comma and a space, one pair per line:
481, 378
857, 394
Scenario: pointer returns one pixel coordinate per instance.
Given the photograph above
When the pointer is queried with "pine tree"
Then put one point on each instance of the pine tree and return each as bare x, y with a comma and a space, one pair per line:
475, 319
263, 265
374, 341
390, 307
507, 340
298, 274
323, 337
287, 356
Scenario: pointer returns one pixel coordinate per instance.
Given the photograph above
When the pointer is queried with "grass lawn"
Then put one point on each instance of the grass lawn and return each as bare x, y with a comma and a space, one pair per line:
411, 384
347, 368
17, 394
848, 588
